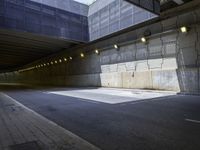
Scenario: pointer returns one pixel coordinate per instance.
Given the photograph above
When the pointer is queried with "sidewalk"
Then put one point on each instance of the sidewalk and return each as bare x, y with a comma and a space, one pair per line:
24, 129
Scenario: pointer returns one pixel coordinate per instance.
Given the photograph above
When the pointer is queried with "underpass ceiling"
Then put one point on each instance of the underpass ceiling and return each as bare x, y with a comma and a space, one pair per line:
20, 48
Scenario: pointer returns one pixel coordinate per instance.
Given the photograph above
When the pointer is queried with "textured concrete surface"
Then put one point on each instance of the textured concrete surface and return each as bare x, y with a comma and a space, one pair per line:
24, 129
170, 122
168, 61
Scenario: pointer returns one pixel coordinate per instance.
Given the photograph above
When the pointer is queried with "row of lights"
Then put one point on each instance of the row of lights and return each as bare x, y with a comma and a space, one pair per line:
143, 39
53, 62
183, 29
82, 55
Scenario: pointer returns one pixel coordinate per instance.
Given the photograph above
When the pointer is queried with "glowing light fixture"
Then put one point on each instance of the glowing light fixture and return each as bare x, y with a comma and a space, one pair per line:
116, 46
47, 64
184, 29
60, 60
82, 55
52, 62
97, 51
70, 58
44, 64
41, 65
65, 59
56, 61
143, 39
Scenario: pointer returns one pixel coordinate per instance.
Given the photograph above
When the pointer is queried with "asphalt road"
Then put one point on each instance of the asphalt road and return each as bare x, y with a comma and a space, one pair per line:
167, 123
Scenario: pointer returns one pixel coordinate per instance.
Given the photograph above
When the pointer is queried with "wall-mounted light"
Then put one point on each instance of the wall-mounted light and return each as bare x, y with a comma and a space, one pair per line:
41, 65
115, 46
47, 64
97, 51
44, 64
60, 60
52, 63
56, 61
70, 58
65, 59
184, 29
82, 55
143, 40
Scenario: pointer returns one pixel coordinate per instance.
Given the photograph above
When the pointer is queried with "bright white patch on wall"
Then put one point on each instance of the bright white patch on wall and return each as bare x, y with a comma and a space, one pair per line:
88, 2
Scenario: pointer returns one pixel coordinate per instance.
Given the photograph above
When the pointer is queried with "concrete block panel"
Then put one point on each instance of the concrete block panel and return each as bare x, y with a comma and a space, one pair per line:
155, 51
198, 53
197, 12
142, 66
187, 40
187, 57
169, 24
169, 49
105, 68
140, 45
198, 42
199, 81
141, 54
155, 63
140, 80
94, 64
113, 67
169, 63
188, 80
105, 59
170, 38
155, 42
127, 36
165, 80
127, 79
83, 80
155, 28
115, 57
130, 66
111, 57
111, 80
121, 67
127, 53
186, 19
125, 56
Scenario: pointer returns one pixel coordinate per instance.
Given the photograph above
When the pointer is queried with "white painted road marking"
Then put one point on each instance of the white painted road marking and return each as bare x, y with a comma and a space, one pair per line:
191, 120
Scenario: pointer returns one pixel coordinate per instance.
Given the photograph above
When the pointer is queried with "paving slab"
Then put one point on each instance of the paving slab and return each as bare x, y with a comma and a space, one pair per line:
23, 129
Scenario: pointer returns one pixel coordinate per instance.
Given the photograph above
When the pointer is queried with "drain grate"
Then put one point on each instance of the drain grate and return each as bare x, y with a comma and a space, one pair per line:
26, 146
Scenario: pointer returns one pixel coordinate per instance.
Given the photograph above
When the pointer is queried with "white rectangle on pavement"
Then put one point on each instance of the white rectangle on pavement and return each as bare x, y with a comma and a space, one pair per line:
111, 96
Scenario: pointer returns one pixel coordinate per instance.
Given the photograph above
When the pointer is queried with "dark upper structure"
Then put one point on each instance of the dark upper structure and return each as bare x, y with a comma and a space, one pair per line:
39, 18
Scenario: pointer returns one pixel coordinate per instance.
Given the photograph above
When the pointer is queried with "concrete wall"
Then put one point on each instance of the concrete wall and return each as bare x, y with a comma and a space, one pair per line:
47, 18
109, 16
67, 5
169, 61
